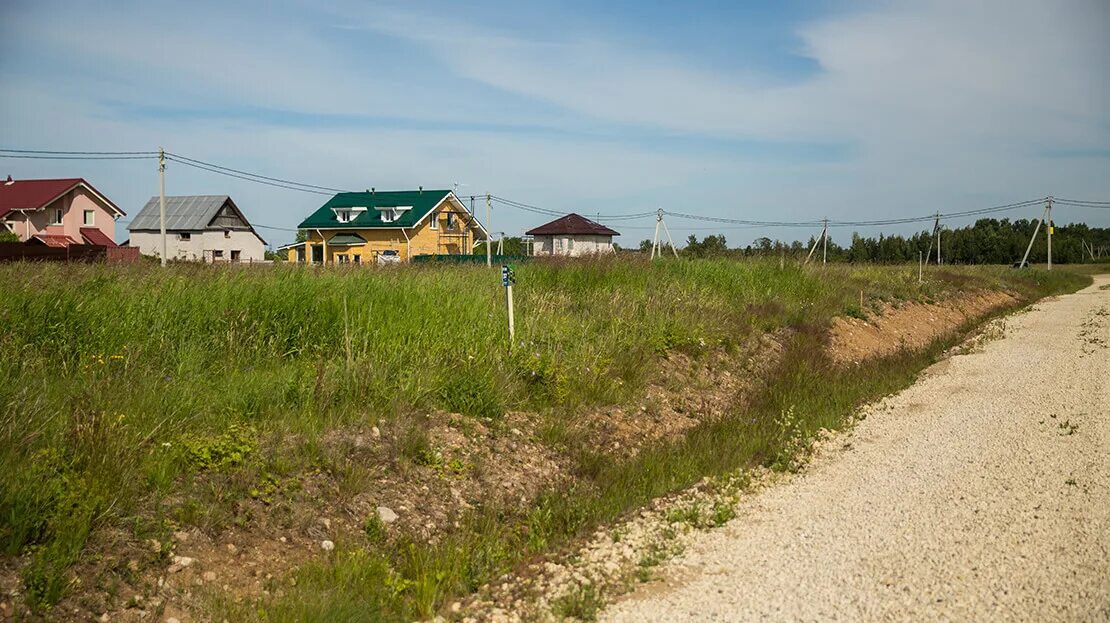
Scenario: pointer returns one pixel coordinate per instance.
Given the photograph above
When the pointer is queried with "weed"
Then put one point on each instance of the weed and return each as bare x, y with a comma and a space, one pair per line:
723, 512
582, 603
228, 449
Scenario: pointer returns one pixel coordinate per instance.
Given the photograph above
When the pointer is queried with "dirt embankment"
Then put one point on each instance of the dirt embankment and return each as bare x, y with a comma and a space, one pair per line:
908, 326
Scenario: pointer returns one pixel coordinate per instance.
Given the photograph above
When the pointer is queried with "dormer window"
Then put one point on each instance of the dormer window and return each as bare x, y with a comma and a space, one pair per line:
346, 215
392, 213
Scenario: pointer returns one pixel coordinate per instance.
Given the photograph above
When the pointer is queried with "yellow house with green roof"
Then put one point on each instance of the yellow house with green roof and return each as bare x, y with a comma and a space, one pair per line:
390, 226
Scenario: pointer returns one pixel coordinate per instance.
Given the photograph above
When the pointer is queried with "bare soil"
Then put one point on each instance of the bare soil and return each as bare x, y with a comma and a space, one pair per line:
908, 326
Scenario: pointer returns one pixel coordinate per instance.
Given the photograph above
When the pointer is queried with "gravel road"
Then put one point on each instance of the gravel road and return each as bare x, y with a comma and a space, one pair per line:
980, 493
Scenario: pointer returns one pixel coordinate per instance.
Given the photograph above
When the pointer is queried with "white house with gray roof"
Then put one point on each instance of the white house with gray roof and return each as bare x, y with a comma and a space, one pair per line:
208, 228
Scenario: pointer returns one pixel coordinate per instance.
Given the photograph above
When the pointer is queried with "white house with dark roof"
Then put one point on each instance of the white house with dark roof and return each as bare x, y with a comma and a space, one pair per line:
208, 228
572, 236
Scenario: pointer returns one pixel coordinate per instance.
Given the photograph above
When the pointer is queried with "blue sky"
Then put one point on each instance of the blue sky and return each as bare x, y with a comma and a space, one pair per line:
768, 111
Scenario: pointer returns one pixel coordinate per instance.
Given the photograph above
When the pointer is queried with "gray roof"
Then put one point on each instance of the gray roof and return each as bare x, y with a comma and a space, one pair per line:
187, 213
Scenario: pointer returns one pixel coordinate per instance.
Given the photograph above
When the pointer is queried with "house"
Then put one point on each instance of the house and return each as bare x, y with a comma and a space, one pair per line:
198, 227
58, 212
383, 227
572, 235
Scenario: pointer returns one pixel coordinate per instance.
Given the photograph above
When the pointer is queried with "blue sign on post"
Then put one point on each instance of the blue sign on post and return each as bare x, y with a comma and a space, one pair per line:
508, 277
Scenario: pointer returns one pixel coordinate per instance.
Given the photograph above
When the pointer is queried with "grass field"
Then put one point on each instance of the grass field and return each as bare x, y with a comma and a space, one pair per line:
127, 392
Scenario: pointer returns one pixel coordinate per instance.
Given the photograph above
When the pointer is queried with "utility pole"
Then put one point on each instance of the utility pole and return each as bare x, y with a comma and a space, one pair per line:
1050, 229
655, 249
825, 243
920, 274
162, 199
489, 218
936, 226
821, 238
1036, 230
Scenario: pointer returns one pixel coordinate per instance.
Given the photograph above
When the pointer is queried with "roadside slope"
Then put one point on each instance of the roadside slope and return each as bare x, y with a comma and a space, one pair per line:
982, 492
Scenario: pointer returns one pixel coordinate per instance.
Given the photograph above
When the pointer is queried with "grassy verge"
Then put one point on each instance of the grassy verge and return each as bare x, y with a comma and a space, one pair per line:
125, 388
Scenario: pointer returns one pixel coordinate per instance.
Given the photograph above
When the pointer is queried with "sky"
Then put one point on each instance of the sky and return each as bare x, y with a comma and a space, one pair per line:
778, 110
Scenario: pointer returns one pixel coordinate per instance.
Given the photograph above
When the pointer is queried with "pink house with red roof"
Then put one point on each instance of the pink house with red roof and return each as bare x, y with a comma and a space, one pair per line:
58, 213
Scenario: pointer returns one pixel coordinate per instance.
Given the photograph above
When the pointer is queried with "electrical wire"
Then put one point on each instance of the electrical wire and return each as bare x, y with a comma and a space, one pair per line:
249, 179
37, 157
186, 160
81, 153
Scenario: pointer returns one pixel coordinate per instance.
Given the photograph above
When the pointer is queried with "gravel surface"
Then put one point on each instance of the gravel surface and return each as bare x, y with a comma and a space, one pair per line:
980, 493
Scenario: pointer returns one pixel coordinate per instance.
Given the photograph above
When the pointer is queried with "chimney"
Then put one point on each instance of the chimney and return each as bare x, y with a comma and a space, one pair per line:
373, 191
421, 190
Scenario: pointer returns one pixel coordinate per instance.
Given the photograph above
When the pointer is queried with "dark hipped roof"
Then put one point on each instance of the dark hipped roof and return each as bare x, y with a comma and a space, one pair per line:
421, 203
572, 224
37, 194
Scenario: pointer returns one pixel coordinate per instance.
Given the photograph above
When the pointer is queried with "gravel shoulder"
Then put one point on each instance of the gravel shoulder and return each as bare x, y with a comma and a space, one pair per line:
982, 492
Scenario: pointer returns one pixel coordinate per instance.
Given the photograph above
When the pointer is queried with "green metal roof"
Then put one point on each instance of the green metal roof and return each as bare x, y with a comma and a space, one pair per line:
421, 202
346, 239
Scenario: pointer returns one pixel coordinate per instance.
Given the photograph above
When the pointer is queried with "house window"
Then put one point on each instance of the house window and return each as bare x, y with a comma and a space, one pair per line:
317, 254
435, 221
356, 258
342, 258
343, 216
227, 233
89, 215
184, 236
389, 215
450, 220
235, 253
57, 217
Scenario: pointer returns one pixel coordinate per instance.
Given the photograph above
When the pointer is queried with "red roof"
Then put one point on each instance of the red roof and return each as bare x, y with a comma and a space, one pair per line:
54, 240
572, 224
95, 236
37, 194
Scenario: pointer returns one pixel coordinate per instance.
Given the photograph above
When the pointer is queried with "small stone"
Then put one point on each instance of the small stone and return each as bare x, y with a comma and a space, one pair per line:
104, 618
516, 431
231, 549
327, 546
181, 536
386, 514
326, 522
172, 620
456, 607
375, 432
209, 576
283, 539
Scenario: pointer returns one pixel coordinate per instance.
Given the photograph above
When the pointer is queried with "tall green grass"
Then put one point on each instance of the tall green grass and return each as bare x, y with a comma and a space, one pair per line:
119, 384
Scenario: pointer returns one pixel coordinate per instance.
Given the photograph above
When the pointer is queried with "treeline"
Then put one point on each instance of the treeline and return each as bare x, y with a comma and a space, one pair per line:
988, 241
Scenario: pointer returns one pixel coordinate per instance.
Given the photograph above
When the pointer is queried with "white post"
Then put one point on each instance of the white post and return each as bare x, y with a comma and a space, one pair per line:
162, 199
1050, 228
512, 327
919, 268
489, 217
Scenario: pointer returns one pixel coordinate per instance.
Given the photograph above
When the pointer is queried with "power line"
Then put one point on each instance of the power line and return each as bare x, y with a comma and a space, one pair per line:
249, 179
36, 157
186, 160
1076, 203
81, 153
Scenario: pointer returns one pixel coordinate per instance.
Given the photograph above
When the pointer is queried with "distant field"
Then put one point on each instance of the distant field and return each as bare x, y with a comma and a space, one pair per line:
137, 402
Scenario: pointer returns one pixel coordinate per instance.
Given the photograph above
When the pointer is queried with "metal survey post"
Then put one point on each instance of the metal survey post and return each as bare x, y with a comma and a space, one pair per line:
508, 278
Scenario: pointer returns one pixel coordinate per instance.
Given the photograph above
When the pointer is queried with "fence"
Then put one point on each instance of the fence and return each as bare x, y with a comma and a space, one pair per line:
467, 259
18, 251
